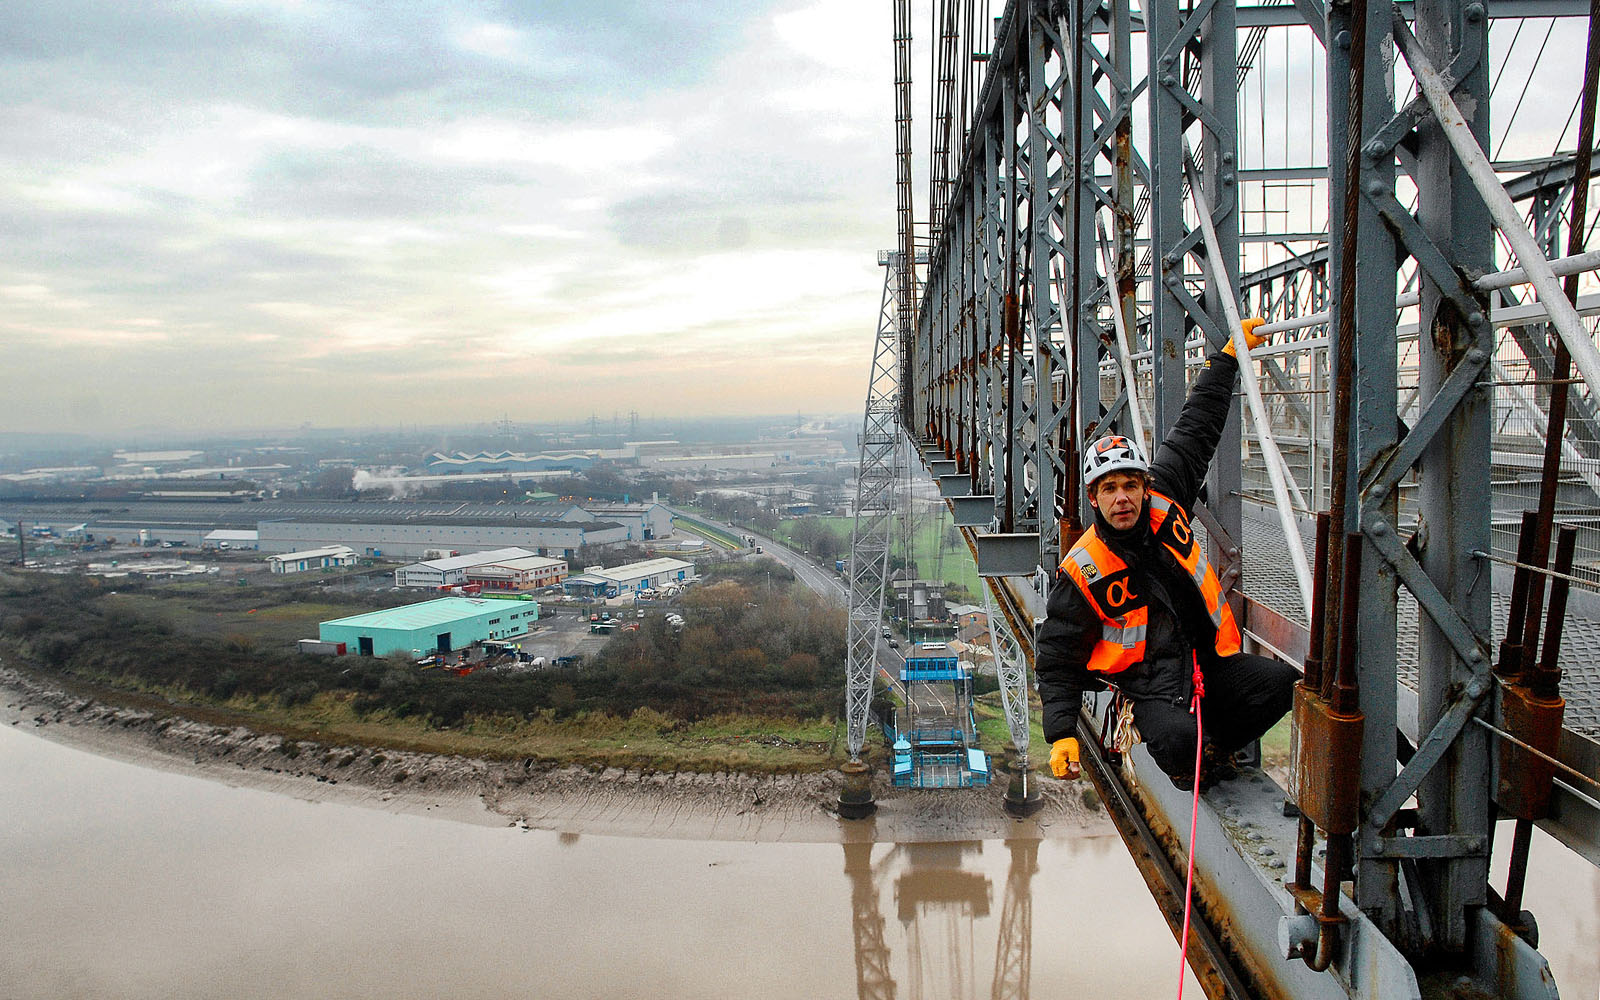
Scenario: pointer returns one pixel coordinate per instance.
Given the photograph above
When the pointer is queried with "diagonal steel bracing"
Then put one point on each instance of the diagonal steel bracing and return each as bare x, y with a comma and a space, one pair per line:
1012, 365
877, 483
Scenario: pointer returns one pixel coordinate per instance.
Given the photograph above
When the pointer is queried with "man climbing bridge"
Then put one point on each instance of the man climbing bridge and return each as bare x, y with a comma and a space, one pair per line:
1136, 604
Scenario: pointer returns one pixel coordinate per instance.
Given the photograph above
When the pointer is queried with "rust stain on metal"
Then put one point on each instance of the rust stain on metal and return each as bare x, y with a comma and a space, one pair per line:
1523, 789
1327, 761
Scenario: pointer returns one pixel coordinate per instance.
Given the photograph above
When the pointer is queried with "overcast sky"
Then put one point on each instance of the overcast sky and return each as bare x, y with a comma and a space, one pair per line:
221, 214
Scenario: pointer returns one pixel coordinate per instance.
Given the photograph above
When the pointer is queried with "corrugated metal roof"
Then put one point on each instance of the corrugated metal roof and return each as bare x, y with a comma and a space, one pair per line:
649, 567
472, 559
527, 562
427, 614
342, 551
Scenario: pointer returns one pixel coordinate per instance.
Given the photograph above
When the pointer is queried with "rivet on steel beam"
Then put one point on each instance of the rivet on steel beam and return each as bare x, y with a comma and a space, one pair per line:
1375, 188
1379, 493
1166, 61
1169, 80
1474, 12
1476, 656
1372, 150
1476, 318
1380, 528
1479, 686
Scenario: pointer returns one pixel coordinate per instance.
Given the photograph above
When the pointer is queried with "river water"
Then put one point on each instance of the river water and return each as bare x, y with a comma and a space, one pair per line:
122, 881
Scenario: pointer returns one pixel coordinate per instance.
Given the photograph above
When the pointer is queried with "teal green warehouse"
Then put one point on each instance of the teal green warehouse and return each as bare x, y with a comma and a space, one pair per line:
442, 625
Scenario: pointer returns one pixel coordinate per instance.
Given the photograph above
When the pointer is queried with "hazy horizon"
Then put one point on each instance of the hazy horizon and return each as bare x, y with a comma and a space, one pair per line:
230, 216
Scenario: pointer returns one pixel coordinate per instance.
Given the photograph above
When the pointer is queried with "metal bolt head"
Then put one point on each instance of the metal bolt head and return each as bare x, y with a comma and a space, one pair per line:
1476, 318
1375, 188
1380, 528
1372, 150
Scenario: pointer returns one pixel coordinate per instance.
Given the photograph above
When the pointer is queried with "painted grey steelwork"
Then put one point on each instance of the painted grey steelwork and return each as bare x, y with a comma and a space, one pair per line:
1011, 666
1011, 368
876, 486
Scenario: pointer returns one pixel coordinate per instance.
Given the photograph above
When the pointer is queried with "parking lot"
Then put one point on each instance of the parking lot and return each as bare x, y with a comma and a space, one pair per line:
565, 631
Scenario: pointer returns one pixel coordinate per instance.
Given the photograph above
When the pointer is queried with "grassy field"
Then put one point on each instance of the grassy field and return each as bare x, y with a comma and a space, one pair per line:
955, 565
706, 531
266, 624
646, 739
995, 736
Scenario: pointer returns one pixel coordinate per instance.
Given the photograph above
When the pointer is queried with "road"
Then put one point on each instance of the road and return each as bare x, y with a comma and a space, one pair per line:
820, 580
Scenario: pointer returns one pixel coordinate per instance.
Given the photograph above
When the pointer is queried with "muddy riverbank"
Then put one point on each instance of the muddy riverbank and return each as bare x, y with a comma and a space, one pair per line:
567, 799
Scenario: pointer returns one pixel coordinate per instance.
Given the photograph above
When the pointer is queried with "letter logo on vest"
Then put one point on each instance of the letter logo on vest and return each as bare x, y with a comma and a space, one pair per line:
1175, 532
1118, 594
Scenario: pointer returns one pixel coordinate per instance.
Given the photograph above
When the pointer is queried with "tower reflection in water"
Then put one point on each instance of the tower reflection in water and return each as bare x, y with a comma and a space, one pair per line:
938, 902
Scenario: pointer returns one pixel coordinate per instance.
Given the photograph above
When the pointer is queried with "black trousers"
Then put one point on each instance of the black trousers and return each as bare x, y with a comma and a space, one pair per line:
1245, 695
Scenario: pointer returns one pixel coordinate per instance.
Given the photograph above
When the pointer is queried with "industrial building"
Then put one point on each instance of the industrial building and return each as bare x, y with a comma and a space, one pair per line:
231, 538
329, 557
510, 462
652, 574
446, 624
518, 575
452, 570
645, 521
412, 538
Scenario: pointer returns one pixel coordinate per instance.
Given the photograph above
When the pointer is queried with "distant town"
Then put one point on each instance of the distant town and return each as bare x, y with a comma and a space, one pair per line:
612, 517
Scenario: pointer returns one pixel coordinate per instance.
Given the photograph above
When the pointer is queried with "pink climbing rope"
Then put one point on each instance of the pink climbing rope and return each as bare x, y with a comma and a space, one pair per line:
1194, 816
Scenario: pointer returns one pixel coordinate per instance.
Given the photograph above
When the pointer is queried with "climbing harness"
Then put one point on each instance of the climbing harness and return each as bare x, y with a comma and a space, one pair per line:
1118, 734
1194, 816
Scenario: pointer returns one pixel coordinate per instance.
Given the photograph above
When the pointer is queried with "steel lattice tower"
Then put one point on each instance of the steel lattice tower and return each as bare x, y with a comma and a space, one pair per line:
875, 510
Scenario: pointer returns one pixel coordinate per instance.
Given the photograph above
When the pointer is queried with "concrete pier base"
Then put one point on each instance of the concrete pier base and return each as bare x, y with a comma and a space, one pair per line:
1022, 789
855, 798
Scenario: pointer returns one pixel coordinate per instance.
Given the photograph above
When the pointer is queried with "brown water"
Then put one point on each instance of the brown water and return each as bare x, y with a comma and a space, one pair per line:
121, 881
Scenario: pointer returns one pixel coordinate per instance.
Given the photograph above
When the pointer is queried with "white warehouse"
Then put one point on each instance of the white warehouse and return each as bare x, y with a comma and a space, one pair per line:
652, 574
411, 539
436, 573
330, 557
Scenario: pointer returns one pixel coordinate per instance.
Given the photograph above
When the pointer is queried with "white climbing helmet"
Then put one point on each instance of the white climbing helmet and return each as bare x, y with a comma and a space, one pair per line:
1112, 453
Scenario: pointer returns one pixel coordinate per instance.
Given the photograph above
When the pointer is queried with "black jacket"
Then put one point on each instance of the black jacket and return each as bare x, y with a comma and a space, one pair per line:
1179, 624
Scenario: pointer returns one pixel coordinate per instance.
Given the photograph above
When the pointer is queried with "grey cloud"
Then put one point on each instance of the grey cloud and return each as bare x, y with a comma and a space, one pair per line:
363, 182
366, 62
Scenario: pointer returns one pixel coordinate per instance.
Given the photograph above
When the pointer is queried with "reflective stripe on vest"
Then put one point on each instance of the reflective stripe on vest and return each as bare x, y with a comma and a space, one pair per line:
1105, 581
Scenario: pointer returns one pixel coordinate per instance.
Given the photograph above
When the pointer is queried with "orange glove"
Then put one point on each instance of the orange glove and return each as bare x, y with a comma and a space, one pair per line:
1064, 758
1252, 340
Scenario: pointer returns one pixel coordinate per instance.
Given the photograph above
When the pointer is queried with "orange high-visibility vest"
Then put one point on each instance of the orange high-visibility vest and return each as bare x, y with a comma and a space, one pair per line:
1105, 580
